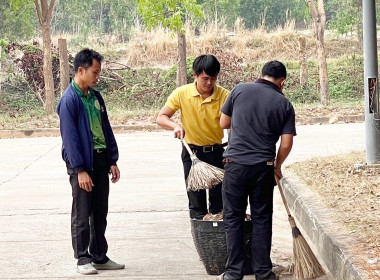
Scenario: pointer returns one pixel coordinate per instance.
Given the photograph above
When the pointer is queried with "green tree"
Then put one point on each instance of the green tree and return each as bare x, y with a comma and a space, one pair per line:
171, 14
95, 16
122, 16
226, 11
18, 20
272, 13
346, 16
73, 16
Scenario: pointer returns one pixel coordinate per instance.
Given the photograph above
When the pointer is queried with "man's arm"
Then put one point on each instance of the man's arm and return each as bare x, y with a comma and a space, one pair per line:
225, 121
283, 152
164, 120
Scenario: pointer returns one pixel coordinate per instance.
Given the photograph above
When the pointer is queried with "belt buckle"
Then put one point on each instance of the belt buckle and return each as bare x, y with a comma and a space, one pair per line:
208, 149
99, 150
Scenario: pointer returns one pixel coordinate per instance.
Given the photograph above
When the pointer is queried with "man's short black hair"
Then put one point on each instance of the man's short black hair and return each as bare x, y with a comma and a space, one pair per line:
274, 69
207, 63
85, 58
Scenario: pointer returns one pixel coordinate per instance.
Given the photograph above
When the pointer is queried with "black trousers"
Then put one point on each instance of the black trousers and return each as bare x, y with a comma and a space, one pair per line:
89, 213
241, 182
198, 199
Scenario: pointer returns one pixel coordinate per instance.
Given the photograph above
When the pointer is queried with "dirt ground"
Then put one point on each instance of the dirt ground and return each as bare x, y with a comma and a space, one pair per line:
353, 194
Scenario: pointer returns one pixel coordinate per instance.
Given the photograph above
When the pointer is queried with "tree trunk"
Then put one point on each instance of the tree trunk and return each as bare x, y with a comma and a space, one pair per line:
323, 77
44, 13
319, 20
181, 70
303, 61
48, 68
63, 65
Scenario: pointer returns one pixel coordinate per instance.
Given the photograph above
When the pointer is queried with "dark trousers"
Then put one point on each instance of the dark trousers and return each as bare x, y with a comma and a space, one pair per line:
241, 182
89, 213
198, 199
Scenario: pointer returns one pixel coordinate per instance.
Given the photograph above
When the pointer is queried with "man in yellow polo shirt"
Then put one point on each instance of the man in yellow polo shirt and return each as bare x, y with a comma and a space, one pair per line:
199, 103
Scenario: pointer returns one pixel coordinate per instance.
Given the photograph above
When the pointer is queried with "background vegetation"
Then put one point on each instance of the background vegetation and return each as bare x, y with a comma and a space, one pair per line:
140, 67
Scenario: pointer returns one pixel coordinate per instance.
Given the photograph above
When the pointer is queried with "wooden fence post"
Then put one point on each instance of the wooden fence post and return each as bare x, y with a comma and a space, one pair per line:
63, 65
303, 61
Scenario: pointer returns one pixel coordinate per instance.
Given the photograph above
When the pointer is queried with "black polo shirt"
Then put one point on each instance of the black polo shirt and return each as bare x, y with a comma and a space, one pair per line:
260, 114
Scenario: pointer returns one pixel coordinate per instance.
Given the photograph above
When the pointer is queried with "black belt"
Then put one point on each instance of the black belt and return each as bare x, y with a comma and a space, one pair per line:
207, 149
269, 162
100, 150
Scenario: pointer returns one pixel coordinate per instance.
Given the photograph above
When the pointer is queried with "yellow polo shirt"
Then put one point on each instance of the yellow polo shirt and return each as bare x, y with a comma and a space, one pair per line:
200, 117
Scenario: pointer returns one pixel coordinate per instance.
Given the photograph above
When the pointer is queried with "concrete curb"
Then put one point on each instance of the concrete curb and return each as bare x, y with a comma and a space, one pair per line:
315, 221
39, 132
327, 120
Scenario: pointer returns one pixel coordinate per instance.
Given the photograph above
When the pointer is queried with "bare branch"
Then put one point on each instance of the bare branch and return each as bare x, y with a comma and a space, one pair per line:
50, 11
321, 12
38, 11
314, 15
44, 9
39, 96
313, 10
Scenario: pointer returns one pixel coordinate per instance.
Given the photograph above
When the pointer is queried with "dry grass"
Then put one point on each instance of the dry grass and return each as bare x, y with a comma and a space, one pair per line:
158, 47
354, 196
309, 111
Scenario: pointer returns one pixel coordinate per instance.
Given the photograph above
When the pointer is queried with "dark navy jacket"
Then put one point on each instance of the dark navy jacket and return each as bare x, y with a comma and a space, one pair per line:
77, 146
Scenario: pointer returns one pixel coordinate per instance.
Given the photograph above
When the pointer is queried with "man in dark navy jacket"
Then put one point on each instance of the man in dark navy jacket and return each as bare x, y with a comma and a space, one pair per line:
257, 114
90, 151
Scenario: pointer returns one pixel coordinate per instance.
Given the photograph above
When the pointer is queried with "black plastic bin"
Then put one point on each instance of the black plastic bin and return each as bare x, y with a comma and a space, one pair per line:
210, 241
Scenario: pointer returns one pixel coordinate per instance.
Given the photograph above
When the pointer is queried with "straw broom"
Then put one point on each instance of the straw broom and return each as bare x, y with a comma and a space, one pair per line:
202, 175
305, 264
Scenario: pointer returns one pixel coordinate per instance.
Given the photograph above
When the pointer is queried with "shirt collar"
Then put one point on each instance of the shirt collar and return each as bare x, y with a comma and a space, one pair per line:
213, 96
80, 92
269, 83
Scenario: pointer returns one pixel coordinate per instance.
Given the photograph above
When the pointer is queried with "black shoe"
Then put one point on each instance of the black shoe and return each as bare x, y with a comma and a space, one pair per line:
271, 276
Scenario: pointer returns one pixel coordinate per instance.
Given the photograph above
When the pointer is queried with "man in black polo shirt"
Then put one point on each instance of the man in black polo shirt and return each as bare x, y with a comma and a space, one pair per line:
257, 114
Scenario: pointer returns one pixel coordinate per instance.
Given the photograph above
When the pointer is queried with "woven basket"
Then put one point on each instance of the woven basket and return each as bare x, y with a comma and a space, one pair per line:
210, 241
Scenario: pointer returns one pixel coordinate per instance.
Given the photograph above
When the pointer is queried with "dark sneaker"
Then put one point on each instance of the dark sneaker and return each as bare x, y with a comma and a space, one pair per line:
110, 265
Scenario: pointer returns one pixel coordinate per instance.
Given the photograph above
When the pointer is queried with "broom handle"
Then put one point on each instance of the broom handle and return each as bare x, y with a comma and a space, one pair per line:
282, 194
187, 146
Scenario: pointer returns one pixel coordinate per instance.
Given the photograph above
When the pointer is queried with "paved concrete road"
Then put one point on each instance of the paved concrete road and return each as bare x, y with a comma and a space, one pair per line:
148, 224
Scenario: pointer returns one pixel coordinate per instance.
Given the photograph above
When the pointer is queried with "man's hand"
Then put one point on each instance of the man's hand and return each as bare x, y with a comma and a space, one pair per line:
115, 174
278, 173
85, 181
179, 132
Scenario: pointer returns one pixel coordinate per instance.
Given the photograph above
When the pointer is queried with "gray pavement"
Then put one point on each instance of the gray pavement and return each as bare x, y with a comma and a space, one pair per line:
148, 224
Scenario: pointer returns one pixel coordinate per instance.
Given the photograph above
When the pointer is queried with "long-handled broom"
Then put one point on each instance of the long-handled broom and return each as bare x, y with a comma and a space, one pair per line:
305, 264
202, 175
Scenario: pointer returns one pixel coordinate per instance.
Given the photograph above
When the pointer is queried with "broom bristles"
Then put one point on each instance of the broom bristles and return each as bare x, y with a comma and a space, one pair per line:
203, 175
306, 265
